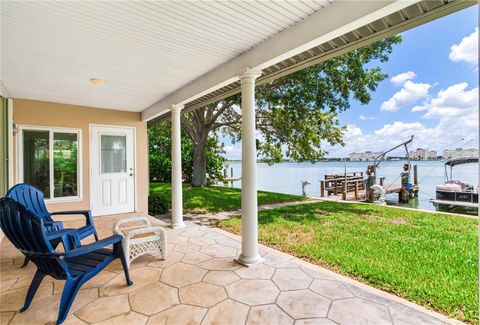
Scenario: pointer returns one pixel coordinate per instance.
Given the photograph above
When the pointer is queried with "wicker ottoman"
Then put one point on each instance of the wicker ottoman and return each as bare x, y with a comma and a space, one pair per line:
140, 238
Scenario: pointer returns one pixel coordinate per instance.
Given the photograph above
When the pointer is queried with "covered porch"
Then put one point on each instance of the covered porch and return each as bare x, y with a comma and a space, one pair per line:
209, 276
42, 100
199, 283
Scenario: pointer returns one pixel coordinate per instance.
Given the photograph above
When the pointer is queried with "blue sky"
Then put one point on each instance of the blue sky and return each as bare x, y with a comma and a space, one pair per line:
431, 92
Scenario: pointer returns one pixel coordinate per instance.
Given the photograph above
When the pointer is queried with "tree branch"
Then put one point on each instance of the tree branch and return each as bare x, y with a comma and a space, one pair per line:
220, 124
189, 129
221, 110
210, 110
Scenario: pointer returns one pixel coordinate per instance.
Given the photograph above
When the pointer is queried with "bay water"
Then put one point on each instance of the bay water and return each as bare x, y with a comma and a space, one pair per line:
287, 177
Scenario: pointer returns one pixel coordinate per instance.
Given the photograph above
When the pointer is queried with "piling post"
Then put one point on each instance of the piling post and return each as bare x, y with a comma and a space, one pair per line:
344, 191
322, 188
356, 190
371, 171
404, 194
415, 175
415, 180
225, 176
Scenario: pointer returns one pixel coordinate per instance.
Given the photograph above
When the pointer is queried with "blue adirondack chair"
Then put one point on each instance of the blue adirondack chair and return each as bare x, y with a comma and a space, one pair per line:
27, 232
32, 199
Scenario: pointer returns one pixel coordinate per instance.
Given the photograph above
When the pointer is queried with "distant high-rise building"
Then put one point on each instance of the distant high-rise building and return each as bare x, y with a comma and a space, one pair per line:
423, 154
431, 155
460, 153
418, 154
363, 156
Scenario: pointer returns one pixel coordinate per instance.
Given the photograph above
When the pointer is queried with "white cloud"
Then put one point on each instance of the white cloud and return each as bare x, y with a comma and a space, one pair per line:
366, 118
452, 101
418, 108
466, 50
388, 136
456, 109
450, 115
399, 128
409, 94
401, 78
352, 131
455, 101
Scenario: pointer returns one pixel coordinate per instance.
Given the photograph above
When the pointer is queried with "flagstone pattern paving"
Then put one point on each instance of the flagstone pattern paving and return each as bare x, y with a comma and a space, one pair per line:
199, 283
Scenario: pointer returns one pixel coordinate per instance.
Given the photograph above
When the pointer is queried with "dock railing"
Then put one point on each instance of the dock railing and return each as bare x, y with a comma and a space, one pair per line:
348, 175
342, 185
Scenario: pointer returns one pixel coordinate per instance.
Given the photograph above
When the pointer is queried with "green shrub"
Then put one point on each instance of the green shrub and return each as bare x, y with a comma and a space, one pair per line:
158, 204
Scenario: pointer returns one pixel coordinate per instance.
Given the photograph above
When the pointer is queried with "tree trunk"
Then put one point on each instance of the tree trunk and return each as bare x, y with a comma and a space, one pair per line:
199, 174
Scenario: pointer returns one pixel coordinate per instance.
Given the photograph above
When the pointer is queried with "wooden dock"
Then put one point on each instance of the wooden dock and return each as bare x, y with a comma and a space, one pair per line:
353, 189
343, 185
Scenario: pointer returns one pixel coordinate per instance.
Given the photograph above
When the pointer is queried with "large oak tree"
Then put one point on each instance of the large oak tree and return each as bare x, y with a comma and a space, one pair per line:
296, 114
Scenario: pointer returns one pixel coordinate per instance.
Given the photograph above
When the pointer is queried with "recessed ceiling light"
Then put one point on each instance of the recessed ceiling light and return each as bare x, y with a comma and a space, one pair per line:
97, 82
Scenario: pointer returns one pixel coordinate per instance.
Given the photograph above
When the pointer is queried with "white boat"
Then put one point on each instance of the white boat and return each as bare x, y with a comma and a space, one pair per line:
455, 194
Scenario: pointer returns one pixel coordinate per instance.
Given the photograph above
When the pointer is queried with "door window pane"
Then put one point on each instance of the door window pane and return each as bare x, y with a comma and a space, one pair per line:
36, 164
114, 153
65, 147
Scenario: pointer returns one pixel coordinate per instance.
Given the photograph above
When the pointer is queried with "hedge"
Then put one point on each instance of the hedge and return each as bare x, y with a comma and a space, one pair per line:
158, 204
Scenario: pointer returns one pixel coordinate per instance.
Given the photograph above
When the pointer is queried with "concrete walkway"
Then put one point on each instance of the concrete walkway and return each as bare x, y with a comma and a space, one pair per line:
207, 219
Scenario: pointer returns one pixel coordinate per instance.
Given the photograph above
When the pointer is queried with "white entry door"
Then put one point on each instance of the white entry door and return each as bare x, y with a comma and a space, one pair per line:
112, 170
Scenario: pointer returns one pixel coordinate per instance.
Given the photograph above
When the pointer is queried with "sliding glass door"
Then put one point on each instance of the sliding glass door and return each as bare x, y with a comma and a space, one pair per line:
50, 160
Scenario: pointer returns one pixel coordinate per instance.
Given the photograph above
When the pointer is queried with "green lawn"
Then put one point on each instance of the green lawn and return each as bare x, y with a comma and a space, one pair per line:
430, 259
216, 199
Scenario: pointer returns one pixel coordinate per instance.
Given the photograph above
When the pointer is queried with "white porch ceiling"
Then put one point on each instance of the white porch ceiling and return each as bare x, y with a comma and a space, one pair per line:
145, 50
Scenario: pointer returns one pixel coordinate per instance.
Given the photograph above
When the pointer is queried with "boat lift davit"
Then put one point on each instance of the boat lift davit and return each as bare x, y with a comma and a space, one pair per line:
374, 190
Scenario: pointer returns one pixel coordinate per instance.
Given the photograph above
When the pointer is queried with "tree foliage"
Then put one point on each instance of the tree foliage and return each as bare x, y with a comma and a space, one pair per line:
160, 162
297, 115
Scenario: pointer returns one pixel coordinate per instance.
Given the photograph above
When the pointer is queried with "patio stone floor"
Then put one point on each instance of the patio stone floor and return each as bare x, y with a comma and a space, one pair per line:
199, 283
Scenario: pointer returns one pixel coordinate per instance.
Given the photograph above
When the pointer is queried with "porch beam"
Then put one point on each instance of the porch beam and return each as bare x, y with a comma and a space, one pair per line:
249, 255
177, 195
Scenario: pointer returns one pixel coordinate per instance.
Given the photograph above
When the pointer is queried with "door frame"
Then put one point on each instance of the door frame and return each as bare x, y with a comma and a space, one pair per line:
90, 157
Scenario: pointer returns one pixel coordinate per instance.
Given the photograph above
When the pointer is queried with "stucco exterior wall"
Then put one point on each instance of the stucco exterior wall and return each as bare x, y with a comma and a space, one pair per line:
37, 113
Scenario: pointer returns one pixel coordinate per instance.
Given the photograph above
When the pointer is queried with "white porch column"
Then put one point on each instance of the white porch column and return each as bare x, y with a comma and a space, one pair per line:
177, 199
249, 255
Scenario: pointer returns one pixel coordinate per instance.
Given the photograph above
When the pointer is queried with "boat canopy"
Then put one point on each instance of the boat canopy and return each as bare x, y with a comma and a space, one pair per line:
460, 161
